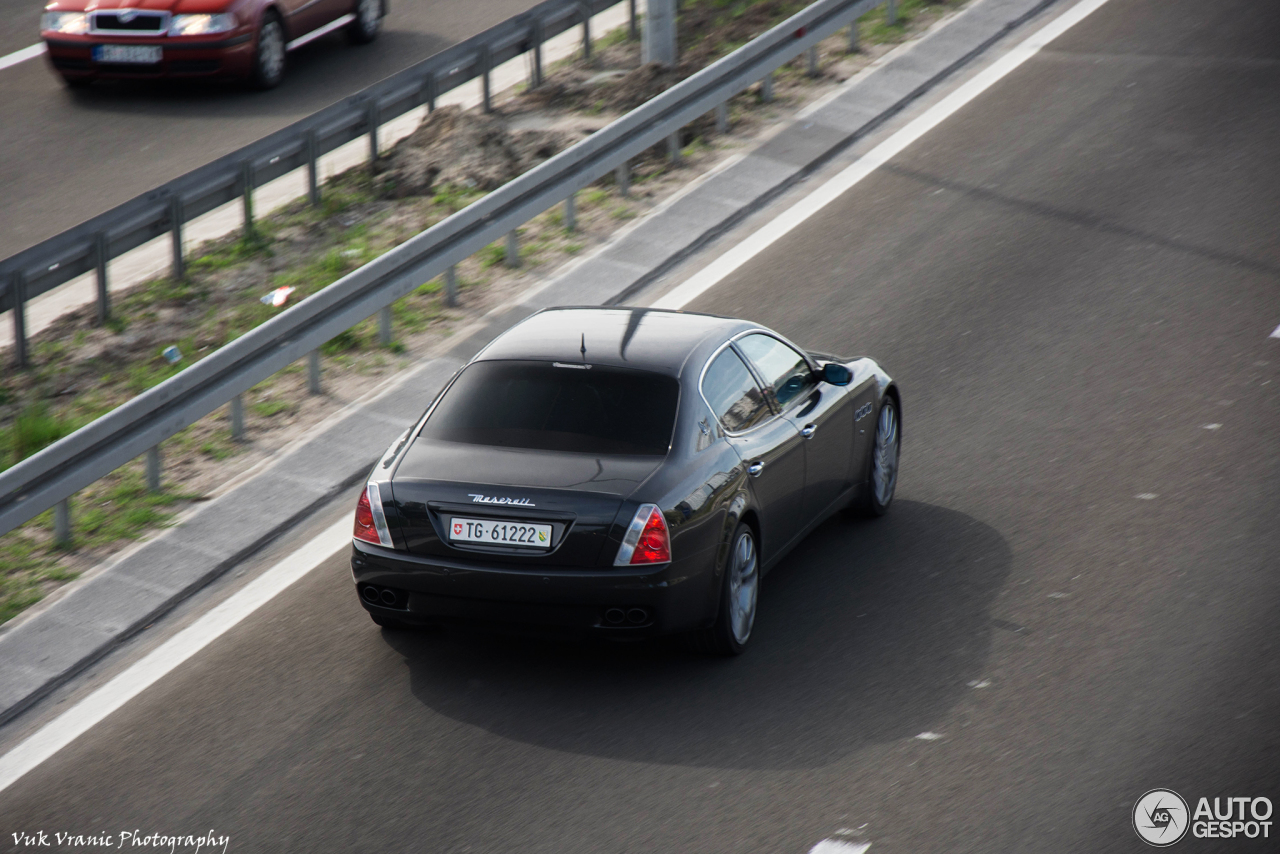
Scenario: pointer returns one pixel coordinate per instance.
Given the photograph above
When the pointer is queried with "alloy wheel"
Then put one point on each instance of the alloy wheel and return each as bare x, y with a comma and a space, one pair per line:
744, 585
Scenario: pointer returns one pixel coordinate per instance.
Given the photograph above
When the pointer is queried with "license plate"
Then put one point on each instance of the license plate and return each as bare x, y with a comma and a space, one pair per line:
500, 533
133, 54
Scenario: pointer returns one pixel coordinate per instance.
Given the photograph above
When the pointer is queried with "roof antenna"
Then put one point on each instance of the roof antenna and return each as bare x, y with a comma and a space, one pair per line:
584, 346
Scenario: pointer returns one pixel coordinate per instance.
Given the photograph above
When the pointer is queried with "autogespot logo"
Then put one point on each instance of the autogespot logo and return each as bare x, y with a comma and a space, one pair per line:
1160, 817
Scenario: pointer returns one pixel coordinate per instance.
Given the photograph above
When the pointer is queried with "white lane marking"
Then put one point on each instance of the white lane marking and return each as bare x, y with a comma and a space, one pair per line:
929, 736
836, 846
985, 683
1059, 595
1146, 496
77, 720
1275, 334
821, 196
1211, 426
22, 55
336, 24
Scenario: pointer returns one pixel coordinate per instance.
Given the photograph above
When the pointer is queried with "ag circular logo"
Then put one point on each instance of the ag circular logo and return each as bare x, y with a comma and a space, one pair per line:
1160, 817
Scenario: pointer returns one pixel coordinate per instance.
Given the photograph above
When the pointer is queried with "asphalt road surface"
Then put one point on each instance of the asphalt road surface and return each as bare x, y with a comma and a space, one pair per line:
1074, 279
66, 156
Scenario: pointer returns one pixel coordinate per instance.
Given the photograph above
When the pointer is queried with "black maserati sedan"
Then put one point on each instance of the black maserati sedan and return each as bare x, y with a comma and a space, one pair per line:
621, 471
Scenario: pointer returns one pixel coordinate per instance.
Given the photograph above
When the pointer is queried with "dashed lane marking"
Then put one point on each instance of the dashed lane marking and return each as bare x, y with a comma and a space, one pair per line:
22, 55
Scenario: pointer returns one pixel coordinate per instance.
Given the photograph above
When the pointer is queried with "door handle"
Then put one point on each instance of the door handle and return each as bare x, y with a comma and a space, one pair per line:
808, 430
755, 468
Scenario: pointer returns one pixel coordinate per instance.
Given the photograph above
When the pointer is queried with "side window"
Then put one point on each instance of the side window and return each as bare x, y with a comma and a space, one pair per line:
733, 394
785, 370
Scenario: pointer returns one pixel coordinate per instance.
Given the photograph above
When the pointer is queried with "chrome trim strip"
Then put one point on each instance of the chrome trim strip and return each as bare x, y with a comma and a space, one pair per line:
335, 24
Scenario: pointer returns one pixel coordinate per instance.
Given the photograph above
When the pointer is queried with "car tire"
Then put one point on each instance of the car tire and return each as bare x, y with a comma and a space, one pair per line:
882, 464
269, 55
739, 596
368, 22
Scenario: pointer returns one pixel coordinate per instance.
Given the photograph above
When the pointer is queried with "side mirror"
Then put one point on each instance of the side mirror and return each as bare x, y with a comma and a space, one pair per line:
836, 374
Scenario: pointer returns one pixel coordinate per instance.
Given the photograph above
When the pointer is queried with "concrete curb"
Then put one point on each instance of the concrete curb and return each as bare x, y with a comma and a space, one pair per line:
42, 653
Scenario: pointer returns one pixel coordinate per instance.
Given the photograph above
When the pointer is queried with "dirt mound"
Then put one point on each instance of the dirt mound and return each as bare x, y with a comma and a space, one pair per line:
464, 148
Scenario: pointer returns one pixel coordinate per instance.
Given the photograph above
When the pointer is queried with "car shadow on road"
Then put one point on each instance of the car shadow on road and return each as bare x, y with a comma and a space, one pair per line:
868, 632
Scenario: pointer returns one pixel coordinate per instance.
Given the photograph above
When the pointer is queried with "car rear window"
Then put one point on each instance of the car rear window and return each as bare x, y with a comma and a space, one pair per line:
538, 406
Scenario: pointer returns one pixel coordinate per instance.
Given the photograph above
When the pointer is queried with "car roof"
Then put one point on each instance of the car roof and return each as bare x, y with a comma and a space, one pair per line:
650, 339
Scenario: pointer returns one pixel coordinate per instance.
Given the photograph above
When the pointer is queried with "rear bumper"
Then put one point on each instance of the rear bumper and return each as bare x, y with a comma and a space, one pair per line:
230, 57
674, 597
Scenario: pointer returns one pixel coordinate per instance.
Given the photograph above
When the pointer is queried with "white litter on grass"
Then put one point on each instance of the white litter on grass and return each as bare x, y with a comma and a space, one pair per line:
1146, 496
985, 683
1211, 426
836, 846
929, 736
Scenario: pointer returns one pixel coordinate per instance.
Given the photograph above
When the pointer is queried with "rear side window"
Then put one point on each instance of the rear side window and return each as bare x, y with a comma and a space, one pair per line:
733, 394
535, 405
785, 370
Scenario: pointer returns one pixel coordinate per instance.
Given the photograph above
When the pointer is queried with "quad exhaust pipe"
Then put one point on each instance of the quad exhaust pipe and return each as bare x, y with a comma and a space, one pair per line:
636, 616
384, 597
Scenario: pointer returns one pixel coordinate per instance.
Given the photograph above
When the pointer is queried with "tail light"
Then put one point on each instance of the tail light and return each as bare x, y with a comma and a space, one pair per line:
646, 540
371, 522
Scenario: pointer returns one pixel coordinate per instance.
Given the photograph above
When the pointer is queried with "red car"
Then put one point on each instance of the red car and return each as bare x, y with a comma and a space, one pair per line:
245, 39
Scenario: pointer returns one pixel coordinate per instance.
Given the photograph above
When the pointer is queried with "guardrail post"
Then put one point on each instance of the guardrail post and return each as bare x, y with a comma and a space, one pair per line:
175, 226
622, 177
536, 38
451, 286
153, 468
313, 167
371, 119
429, 91
571, 212
891, 12
485, 83
18, 286
513, 248
766, 88
632, 32
246, 178
237, 418
673, 147
853, 36
100, 250
812, 70
62, 523
384, 326
586, 30
313, 372
722, 117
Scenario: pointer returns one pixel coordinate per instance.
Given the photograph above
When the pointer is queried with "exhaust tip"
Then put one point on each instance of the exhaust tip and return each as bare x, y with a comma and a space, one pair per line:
388, 597
614, 616
370, 595
636, 616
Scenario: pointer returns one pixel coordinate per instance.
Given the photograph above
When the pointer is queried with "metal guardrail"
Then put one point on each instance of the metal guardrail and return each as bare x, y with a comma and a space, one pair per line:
91, 245
59, 470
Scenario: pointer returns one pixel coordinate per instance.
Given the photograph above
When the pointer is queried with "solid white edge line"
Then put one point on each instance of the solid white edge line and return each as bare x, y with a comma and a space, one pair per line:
144, 673
22, 55
335, 24
828, 192
839, 846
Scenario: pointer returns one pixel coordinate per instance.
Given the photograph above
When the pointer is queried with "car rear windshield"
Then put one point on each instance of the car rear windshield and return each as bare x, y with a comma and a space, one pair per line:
539, 406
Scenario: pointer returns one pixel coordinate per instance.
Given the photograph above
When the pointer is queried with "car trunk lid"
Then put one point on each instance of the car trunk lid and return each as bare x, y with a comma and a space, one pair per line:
577, 495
